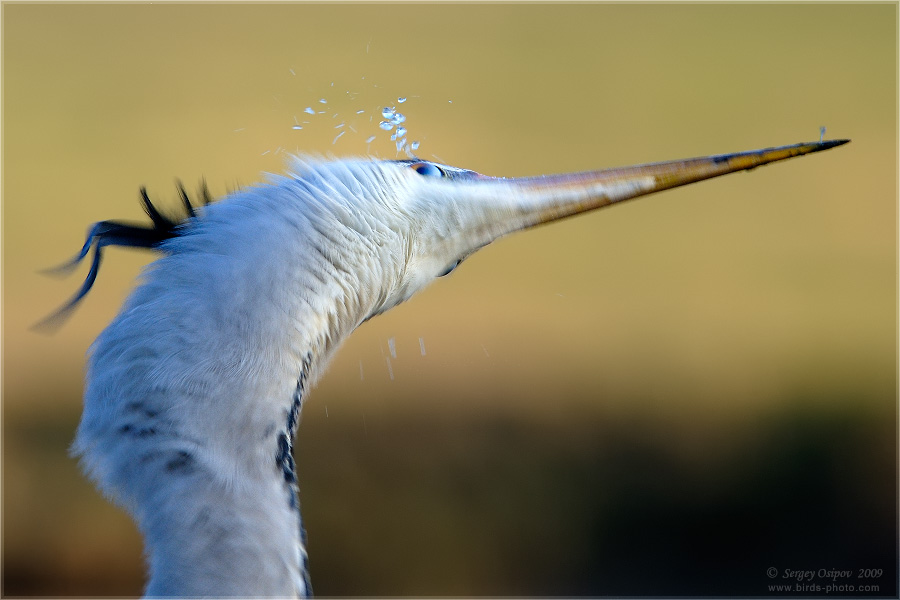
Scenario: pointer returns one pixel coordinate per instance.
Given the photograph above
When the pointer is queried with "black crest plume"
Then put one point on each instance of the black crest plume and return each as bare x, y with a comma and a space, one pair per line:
117, 233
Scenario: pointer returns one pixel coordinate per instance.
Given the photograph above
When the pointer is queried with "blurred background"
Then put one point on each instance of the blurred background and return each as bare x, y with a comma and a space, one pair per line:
667, 397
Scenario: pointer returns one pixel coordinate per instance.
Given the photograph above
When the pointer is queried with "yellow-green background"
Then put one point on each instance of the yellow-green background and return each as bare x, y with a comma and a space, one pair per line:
669, 396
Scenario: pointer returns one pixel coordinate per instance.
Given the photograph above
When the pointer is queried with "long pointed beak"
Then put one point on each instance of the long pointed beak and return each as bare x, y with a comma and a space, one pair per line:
552, 197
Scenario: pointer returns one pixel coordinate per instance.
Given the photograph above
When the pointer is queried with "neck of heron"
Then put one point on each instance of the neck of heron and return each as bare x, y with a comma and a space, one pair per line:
205, 466
194, 391
197, 443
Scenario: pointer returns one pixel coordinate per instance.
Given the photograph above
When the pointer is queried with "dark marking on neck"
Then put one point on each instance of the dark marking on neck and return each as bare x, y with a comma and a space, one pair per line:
182, 463
137, 430
284, 460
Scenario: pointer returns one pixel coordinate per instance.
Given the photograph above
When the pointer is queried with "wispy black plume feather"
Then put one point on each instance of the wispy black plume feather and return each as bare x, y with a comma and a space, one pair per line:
116, 233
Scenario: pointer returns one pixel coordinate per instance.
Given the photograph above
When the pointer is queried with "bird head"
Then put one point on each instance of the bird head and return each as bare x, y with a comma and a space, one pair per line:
449, 213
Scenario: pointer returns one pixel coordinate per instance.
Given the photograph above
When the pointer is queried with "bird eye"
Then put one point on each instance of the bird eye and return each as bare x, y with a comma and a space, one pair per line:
427, 169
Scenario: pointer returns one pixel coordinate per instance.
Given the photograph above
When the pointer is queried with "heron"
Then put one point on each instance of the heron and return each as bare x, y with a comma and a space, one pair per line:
194, 391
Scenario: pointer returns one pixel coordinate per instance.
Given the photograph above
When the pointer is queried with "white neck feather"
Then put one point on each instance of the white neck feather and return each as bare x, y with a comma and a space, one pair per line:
194, 390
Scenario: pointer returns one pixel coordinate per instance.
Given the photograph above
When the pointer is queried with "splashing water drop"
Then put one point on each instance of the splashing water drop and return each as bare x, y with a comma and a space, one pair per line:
387, 126
387, 112
309, 110
323, 101
398, 118
401, 100
414, 146
401, 131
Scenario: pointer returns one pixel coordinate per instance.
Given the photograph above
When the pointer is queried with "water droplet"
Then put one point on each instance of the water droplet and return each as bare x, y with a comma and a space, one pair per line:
400, 144
401, 131
370, 139
398, 118
401, 100
339, 125
386, 125
323, 101
415, 146
297, 127
309, 110
338, 136
359, 112
387, 112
